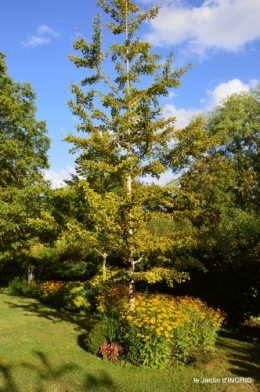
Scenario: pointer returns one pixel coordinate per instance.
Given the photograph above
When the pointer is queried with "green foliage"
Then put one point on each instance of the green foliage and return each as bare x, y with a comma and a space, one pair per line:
217, 191
125, 139
112, 299
96, 337
72, 296
114, 325
75, 297
19, 286
156, 352
23, 157
239, 117
61, 260
51, 293
132, 344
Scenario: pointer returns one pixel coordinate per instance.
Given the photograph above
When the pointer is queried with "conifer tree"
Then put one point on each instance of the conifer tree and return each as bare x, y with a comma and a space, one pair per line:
126, 134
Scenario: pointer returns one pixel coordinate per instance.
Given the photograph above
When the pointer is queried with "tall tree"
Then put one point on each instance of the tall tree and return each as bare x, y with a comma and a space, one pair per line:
238, 116
218, 190
23, 157
127, 136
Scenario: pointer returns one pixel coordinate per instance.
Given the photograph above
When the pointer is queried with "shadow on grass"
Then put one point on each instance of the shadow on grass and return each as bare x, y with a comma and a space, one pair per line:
82, 322
50, 378
81, 340
243, 357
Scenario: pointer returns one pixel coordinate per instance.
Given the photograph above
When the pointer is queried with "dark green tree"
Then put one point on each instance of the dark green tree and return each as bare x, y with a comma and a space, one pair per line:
218, 191
23, 158
238, 120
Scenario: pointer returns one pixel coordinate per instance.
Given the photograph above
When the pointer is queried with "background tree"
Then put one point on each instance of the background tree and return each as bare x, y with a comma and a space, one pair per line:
23, 157
239, 116
128, 136
218, 192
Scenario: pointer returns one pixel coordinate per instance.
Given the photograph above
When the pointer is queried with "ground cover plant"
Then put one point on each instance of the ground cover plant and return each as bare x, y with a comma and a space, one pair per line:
41, 350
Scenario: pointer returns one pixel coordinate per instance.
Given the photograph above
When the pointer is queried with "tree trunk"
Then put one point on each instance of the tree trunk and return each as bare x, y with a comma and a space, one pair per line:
131, 282
104, 265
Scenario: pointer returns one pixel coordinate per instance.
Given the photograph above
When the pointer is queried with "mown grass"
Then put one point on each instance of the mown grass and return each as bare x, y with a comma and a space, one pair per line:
41, 350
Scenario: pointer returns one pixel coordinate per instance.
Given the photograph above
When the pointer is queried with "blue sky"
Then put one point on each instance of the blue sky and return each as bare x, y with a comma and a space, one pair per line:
222, 38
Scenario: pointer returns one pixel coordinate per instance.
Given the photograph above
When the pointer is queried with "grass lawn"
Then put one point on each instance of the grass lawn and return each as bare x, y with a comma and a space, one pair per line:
41, 351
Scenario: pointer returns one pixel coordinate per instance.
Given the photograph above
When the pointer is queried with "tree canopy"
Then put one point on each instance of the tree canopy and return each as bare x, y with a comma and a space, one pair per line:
23, 157
127, 136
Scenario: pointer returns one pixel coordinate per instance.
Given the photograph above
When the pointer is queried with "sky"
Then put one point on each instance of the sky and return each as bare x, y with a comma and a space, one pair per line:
221, 38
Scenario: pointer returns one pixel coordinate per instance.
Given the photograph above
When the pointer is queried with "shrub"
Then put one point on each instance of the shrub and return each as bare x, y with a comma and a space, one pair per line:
162, 329
252, 322
19, 286
50, 292
156, 352
96, 337
112, 300
132, 344
110, 351
75, 297
71, 296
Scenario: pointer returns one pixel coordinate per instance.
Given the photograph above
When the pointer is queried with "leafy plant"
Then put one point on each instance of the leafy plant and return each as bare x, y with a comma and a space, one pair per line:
51, 293
96, 337
110, 351
75, 297
19, 286
155, 352
132, 344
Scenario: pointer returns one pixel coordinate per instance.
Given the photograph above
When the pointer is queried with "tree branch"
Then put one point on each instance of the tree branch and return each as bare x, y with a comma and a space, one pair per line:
138, 261
107, 81
102, 254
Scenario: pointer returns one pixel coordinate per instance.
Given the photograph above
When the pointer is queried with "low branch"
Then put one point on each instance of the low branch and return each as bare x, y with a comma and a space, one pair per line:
102, 254
138, 261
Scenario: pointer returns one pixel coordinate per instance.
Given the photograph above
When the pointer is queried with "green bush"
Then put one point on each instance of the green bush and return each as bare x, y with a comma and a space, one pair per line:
50, 292
96, 337
75, 297
71, 296
156, 352
132, 345
20, 286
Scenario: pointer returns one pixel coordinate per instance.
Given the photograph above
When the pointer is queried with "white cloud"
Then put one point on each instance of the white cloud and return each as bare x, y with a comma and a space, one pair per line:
183, 116
213, 98
43, 29
163, 180
223, 90
216, 24
33, 41
57, 178
42, 37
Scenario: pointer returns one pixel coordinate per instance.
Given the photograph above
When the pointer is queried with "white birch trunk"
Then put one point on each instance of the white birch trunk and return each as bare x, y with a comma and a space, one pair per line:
129, 186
